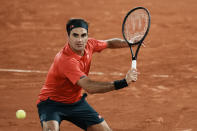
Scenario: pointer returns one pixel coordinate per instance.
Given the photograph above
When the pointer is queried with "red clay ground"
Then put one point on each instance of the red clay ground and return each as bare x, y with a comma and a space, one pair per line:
164, 97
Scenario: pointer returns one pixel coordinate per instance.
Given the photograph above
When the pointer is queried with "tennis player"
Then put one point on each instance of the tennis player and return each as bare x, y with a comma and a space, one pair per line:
61, 96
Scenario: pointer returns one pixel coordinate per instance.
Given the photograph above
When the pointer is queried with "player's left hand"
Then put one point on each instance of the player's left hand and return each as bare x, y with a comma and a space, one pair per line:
131, 76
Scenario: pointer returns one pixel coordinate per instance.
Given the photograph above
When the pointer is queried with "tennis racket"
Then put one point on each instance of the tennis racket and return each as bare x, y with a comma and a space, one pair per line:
135, 28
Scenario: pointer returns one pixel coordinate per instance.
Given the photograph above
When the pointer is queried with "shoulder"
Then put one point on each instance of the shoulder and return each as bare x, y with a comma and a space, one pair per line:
93, 40
90, 43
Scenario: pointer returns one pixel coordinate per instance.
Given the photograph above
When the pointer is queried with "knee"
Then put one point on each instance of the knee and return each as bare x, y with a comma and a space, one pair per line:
108, 129
105, 126
100, 127
51, 126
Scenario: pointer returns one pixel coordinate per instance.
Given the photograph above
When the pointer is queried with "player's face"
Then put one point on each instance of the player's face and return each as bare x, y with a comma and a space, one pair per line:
78, 39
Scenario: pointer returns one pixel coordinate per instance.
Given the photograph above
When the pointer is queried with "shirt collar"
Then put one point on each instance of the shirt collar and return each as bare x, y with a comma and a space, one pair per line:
68, 51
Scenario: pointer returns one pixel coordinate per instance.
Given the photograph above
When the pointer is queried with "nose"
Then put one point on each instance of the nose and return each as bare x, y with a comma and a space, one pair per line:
80, 39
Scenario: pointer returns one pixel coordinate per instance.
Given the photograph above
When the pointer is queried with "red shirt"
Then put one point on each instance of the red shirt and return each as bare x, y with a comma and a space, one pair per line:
66, 70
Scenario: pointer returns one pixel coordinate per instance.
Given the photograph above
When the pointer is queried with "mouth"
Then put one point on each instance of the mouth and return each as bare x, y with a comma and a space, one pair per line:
79, 45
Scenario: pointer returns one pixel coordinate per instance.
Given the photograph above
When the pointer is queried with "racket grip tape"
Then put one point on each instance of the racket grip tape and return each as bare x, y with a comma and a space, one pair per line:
134, 64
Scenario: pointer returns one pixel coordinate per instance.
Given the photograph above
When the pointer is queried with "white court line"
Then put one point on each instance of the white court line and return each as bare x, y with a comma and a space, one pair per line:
96, 73
37, 71
162, 76
22, 71
91, 73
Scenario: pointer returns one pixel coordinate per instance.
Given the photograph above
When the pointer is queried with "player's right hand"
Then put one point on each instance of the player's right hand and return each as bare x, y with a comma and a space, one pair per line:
131, 76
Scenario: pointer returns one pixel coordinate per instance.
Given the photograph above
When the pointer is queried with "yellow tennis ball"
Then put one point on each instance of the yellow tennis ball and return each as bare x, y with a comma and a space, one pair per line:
20, 114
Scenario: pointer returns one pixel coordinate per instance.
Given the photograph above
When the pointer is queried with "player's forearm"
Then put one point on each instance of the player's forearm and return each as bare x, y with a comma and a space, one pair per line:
93, 87
116, 43
99, 87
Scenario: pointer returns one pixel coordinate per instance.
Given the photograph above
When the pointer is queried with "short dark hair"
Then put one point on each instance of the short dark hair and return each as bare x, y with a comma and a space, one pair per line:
76, 22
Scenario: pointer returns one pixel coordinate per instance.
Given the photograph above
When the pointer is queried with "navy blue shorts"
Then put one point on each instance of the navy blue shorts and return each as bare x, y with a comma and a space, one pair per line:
80, 113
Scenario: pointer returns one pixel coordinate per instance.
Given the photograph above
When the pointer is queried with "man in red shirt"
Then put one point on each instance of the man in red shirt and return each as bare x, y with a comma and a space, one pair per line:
61, 96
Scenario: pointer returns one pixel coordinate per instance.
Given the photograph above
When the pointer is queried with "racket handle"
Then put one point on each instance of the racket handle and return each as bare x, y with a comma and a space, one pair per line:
134, 64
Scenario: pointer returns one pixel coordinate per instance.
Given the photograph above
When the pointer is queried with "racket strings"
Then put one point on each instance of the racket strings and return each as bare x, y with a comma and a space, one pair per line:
136, 26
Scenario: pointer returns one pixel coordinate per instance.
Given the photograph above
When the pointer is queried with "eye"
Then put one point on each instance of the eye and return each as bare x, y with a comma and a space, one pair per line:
75, 35
84, 35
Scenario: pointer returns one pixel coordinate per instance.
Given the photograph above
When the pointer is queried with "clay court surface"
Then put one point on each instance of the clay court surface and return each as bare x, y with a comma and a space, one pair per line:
163, 99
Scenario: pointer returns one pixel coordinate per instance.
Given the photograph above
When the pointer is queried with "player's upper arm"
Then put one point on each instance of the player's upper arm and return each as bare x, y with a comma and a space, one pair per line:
98, 45
116, 43
108, 42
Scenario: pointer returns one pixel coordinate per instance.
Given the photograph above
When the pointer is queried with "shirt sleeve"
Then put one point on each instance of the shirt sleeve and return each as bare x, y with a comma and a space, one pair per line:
71, 70
98, 45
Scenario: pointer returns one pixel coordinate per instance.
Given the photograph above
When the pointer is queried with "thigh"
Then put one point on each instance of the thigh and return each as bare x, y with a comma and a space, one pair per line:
48, 111
103, 126
51, 125
84, 116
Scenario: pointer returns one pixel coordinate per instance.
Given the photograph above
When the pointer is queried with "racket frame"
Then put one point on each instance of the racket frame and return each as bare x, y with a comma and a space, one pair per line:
139, 43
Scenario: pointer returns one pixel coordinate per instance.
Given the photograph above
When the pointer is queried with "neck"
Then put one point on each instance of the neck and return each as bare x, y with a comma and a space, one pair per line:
81, 53
78, 52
